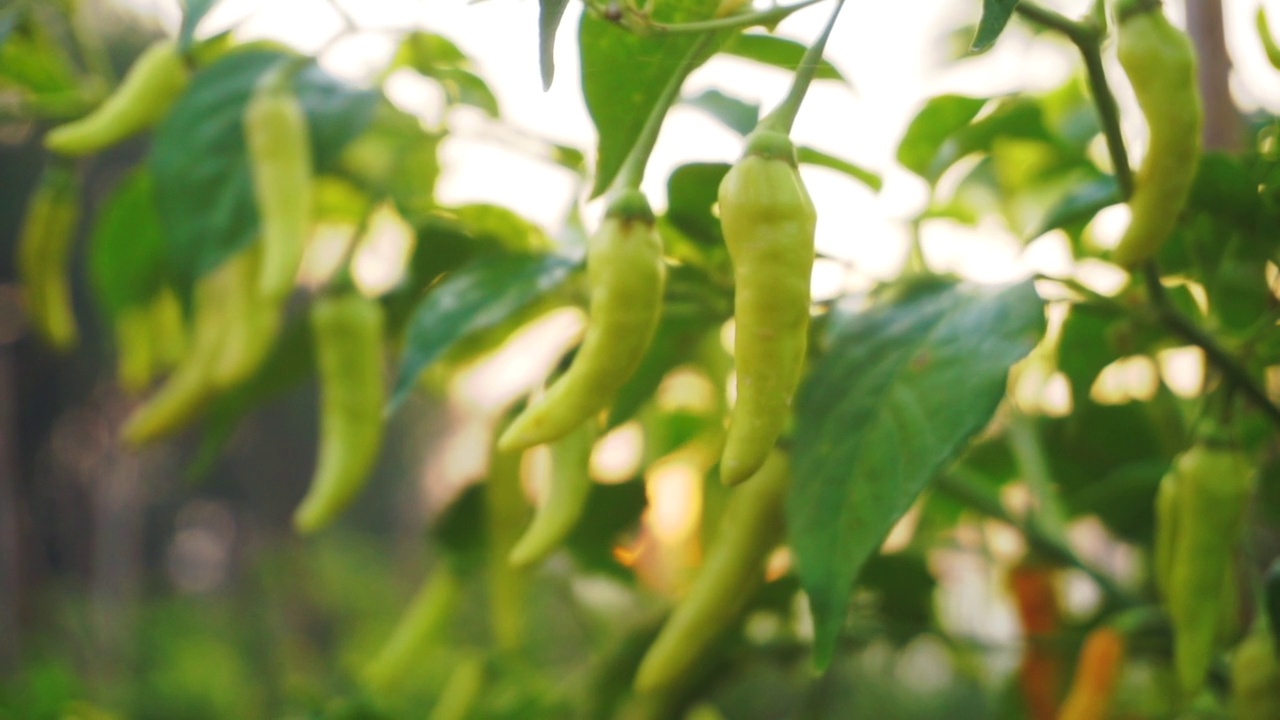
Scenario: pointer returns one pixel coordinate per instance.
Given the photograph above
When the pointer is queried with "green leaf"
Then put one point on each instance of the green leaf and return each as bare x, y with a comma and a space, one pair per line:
995, 16
739, 115
692, 191
611, 511
31, 57
439, 59
811, 156
126, 257
202, 179
901, 390
929, 130
1079, 205
192, 13
778, 52
477, 297
623, 75
550, 13
396, 156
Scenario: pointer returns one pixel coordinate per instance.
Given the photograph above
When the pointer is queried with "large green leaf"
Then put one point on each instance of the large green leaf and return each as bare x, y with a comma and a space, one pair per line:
477, 297
899, 393
624, 74
995, 16
202, 178
126, 257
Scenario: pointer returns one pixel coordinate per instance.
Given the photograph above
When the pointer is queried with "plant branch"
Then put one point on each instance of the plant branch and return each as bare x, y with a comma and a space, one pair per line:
642, 24
782, 117
970, 494
1185, 328
1087, 37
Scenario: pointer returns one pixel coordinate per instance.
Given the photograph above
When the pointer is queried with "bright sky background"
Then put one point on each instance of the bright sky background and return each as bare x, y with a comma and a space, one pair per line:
895, 54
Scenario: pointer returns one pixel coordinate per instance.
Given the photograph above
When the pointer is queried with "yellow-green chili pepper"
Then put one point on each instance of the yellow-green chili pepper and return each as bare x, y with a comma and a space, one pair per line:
429, 613
253, 322
187, 390
752, 525
1213, 487
348, 331
626, 277
150, 88
768, 221
1161, 65
135, 356
279, 147
44, 256
168, 330
570, 484
1255, 677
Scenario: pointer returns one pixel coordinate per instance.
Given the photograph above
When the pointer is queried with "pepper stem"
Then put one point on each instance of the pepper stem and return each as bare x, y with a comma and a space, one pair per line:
783, 116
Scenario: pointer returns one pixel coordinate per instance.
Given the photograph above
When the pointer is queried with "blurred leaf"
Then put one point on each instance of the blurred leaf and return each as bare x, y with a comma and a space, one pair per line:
481, 295
612, 511
692, 191
193, 12
778, 52
396, 157
1078, 207
202, 180
459, 530
995, 16
932, 126
502, 227
31, 57
901, 390
904, 587
810, 156
439, 59
126, 256
1085, 347
623, 75
739, 116
550, 13
1115, 480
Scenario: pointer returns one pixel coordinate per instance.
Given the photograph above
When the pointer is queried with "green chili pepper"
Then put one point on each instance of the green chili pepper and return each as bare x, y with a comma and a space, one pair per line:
752, 525
1213, 487
1161, 65
186, 392
768, 221
279, 146
626, 278
348, 330
135, 356
150, 88
570, 484
429, 613
1255, 677
44, 256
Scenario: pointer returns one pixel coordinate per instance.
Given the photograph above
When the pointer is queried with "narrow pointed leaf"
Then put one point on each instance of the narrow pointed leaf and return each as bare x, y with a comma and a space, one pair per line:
477, 297
549, 14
